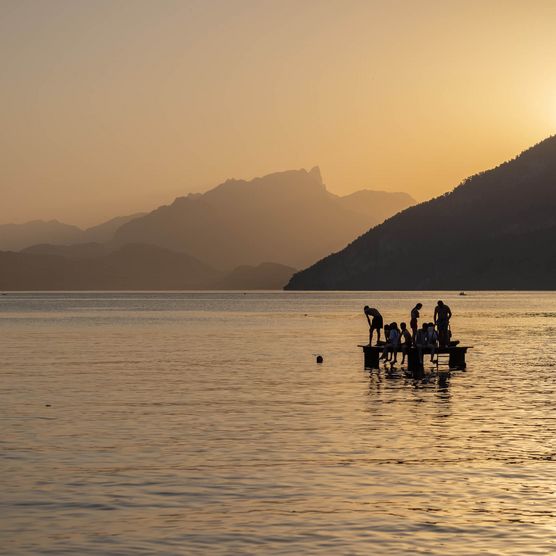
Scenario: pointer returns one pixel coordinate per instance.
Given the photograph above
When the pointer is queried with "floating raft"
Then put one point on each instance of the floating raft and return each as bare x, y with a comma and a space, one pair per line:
453, 357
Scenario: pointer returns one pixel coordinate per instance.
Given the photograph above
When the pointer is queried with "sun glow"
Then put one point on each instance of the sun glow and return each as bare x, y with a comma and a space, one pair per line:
129, 108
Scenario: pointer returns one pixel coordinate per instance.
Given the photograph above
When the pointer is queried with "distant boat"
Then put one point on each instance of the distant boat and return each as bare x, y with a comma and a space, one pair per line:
462, 293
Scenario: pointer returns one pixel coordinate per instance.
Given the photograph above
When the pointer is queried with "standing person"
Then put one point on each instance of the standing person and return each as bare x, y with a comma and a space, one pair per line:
442, 316
414, 322
407, 340
376, 324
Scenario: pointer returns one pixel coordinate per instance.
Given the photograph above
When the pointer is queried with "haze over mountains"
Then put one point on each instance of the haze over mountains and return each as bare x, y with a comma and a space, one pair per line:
14, 237
286, 217
132, 267
497, 230
239, 235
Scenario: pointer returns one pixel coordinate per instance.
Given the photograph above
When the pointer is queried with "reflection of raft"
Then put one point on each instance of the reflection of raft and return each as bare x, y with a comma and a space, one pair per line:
454, 354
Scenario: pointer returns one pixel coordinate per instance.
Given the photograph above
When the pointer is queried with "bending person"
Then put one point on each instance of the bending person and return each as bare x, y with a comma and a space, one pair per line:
376, 324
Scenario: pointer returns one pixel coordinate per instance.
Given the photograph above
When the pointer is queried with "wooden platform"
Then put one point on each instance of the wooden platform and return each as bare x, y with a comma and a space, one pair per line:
456, 357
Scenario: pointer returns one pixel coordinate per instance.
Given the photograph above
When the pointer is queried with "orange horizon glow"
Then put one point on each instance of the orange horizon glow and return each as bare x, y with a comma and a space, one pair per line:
112, 108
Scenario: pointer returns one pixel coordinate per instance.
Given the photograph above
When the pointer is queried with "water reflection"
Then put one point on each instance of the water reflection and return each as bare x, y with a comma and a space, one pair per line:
201, 424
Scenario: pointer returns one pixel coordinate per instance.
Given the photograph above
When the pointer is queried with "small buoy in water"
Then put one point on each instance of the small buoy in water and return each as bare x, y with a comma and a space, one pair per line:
319, 359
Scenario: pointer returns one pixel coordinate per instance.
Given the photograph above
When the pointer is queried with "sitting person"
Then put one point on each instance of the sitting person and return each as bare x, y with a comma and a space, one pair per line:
432, 339
392, 342
421, 341
431, 332
407, 338
386, 333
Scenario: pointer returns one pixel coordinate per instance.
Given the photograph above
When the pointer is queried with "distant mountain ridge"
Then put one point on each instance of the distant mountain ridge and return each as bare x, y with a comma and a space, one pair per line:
105, 231
131, 267
239, 235
287, 217
14, 237
496, 230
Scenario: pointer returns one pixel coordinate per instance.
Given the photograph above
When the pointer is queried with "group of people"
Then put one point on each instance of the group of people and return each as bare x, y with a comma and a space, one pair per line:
429, 336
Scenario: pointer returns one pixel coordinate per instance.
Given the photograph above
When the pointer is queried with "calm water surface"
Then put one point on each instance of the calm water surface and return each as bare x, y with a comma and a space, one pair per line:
199, 423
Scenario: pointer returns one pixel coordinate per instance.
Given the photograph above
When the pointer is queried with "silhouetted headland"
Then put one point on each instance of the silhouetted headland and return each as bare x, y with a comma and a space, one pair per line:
494, 231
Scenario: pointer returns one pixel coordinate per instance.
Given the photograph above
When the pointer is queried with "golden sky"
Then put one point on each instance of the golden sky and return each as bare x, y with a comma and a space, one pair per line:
114, 106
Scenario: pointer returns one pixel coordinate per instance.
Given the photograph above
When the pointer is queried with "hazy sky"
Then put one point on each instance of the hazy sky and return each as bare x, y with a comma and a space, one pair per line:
114, 106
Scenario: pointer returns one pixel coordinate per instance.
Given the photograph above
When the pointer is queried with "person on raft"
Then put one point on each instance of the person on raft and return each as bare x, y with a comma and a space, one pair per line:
442, 316
407, 340
392, 337
376, 324
414, 320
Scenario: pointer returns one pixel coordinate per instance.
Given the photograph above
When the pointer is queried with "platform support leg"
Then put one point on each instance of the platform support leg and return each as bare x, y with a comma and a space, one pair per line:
371, 359
414, 365
457, 359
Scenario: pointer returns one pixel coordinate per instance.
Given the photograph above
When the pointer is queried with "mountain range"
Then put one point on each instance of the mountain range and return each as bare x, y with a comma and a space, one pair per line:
132, 267
239, 235
496, 230
14, 237
286, 217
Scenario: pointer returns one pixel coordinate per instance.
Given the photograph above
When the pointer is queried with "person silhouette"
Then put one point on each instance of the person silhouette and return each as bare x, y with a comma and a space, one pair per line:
375, 324
407, 340
392, 342
442, 316
414, 322
421, 341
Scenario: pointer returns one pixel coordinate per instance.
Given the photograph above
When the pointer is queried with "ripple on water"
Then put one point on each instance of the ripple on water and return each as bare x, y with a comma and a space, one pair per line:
200, 424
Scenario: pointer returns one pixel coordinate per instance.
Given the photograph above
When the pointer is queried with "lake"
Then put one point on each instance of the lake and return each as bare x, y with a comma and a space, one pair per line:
199, 423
